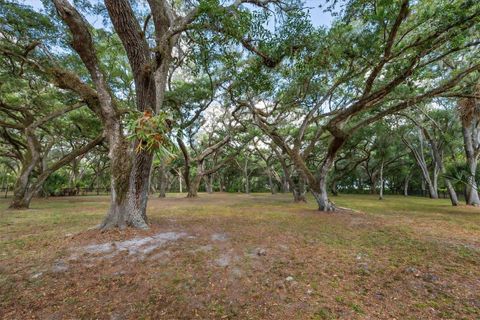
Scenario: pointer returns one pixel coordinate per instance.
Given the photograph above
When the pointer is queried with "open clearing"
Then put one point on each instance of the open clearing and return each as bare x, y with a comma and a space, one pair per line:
235, 256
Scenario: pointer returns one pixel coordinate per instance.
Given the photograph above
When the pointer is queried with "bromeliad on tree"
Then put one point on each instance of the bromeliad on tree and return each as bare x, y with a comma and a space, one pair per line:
151, 132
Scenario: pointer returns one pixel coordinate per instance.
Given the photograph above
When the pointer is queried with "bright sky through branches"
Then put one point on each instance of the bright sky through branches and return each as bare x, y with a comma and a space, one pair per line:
319, 18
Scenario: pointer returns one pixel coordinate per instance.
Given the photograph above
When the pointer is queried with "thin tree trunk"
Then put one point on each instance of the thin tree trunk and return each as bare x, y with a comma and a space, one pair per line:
472, 190
405, 185
380, 197
162, 180
435, 178
246, 177
209, 183
270, 181
373, 185
285, 185
180, 182
438, 157
420, 159
334, 187
298, 190
221, 182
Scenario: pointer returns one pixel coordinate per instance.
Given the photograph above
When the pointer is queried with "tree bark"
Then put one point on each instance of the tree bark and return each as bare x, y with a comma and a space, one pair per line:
333, 187
246, 176
130, 169
180, 182
23, 198
270, 181
405, 185
194, 186
298, 190
420, 159
380, 196
209, 183
438, 158
471, 158
221, 182
285, 184
162, 180
321, 194
139, 56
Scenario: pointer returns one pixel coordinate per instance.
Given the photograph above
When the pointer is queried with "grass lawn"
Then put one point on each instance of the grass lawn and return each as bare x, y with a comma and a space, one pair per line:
235, 256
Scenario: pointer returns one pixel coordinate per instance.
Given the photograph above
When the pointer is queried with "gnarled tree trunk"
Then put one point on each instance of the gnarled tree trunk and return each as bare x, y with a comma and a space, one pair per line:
129, 188
298, 190
469, 110
321, 193
24, 196
130, 169
194, 186
21, 194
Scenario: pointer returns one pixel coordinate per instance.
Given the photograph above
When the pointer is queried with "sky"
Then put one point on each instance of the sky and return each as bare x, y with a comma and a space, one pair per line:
319, 18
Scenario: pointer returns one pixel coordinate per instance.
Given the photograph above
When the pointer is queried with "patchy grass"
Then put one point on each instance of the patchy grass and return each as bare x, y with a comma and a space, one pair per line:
234, 256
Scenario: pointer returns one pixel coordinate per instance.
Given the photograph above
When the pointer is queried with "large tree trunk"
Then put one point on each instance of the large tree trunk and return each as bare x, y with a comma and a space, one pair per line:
321, 196
139, 187
139, 55
21, 200
320, 192
130, 170
194, 186
21, 195
129, 190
